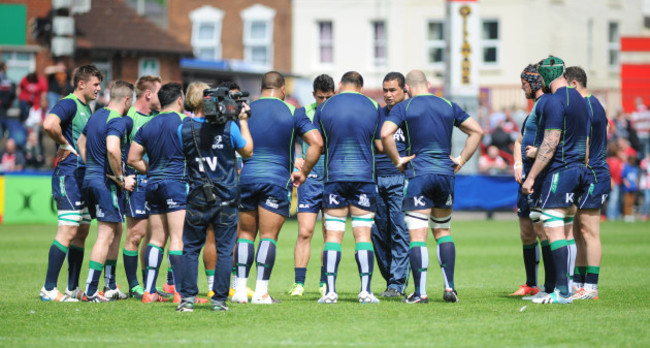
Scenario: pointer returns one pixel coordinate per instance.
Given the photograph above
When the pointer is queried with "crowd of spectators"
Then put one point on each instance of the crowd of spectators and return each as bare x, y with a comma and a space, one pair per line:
22, 142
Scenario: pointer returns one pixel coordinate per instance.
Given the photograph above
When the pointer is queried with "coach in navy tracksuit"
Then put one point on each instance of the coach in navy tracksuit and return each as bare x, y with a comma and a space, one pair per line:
209, 148
390, 236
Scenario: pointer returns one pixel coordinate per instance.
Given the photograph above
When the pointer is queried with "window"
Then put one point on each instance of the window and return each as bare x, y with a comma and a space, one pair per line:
325, 42
258, 35
435, 43
490, 42
613, 45
106, 67
590, 42
379, 43
206, 32
19, 64
80, 6
149, 66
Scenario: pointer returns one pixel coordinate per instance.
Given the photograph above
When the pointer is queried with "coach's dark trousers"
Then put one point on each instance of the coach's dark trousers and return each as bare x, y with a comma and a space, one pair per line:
198, 216
390, 237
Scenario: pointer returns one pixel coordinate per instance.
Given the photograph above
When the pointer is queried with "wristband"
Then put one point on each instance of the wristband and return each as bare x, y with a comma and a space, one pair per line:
517, 165
460, 161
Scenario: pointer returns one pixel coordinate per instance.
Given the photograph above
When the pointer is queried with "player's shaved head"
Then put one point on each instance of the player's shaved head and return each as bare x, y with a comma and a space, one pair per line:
416, 78
120, 90
352, 78
272, 80
144, 83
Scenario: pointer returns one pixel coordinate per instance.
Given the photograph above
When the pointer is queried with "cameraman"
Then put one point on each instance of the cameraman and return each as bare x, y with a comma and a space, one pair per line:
209, 144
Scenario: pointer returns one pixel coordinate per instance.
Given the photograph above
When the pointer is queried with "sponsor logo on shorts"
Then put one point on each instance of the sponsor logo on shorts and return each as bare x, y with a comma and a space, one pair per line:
334, 199
138, 211
363, 200
569, 197
146, 206
100, 213
418, 201
303, 205
450, 200
272, 202
603, 198
77, 203
171, 203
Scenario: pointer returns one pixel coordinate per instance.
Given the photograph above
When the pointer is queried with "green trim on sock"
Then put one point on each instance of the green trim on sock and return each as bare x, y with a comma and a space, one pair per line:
580, 270
332, 246
356, 218
209, 272
157, 247
130, 252
175, 252
335, 218
417, 244
60, 246
242, 240
571, 242
593, 269
270, 240
111, 263
363, 246
558, 244
73, 247
545, 243
234, 270
530, 246
95, 265
445, 239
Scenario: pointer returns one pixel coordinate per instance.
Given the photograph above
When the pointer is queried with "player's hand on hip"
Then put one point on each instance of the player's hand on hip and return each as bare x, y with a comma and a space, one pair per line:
129, 183
458, 163
298, 178
403, 161
64, 151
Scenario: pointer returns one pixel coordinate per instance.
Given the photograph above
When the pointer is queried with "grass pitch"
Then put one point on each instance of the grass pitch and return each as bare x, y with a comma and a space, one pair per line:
489, 266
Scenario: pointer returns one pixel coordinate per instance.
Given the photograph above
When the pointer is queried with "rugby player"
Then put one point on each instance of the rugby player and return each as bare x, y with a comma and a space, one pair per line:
146, 105
562, 155
264, 182
530, 226
166, 193
209, 145
429, 170
587, 226
310, 195
102, 146
349, 122
389, 233
64, 124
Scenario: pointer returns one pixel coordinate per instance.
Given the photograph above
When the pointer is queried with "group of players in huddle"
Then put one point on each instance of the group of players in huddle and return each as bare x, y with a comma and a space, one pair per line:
389, 168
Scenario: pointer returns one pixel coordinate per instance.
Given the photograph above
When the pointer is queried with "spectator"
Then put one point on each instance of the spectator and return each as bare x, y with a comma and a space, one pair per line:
641, 123
7, 96
491, 163
645, 186
496, 118
12, 159
624, 130
30, 89
34, 152
630, 176
501, 137
36, 116
615, 163
58, 83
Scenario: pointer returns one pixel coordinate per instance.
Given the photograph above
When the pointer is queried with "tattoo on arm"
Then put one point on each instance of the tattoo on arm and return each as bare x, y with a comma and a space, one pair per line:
546, 150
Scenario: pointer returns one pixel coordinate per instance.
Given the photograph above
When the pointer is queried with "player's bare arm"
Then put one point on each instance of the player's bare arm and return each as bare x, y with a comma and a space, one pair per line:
81, 145
544, 155
389, 147
115, 162
52, 126
518, 166
474, 136
136, 158
247, 150
315, 142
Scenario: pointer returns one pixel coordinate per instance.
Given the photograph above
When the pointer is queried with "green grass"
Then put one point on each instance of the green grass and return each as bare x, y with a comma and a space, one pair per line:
489, 266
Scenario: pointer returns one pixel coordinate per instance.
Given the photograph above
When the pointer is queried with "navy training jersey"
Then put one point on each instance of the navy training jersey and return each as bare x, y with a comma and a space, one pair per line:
349, 123
428, 123
383, 164
598, 135
216, 160
159, 137
102, 124
532, 131
274, 126
318, 171
73, 114
567, 111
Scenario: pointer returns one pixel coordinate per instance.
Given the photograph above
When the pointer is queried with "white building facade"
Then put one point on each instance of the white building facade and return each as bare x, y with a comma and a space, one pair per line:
378, 36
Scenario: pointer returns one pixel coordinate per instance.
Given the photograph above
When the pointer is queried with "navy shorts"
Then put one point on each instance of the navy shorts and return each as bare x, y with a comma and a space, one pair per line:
429, 191
166, 196
105, 200
599, 188
310, 196
523, 204
67, 189
561, 188
362, 195
268, 196
136, 200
